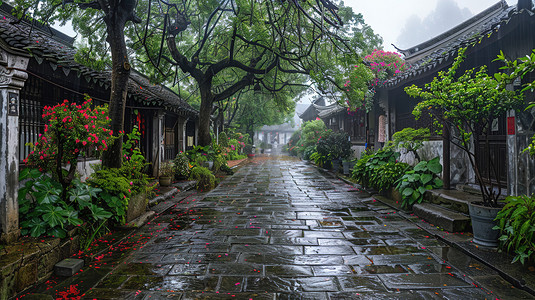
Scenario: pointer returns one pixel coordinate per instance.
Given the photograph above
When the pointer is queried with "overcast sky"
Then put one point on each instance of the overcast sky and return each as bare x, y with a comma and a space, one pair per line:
406, 23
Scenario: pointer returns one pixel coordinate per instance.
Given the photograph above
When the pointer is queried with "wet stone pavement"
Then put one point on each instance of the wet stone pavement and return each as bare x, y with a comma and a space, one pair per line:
280, 229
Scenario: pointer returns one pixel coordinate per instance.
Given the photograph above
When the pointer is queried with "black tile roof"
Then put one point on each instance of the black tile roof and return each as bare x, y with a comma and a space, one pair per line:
46, 44
442, 49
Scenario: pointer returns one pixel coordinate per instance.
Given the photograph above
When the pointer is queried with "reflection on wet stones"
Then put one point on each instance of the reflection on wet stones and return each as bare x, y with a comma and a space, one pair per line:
112, 281
332, 270
271, 284
278, 229
142, 269
236, 269
189, 270
143, 283
293, 241
375, 269
332, 250
361, 284
288, 271
423, 281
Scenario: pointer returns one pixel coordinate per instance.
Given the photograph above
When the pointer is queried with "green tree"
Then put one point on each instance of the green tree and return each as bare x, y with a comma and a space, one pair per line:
365, 75
226, 46
222, 46
467, 103
258, 110
311, 133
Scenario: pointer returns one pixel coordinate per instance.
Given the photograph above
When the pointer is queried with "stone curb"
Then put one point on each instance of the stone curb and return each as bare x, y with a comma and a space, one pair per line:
465, 248
240, 164
164, 205
163, 197
141, 220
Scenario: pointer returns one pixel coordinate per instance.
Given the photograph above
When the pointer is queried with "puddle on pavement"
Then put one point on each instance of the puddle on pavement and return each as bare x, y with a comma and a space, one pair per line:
294, 241
391, 250
332, 270
188, 270
331, 250
405, 295
427, 268
323, 234
143, 283
288, 271
404, 259
357, 234
424, 281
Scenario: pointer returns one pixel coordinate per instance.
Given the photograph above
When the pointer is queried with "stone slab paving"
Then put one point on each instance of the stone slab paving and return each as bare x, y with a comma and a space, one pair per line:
281, 229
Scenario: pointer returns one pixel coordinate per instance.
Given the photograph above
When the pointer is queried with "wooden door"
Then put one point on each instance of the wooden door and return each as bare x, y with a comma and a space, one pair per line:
493, 154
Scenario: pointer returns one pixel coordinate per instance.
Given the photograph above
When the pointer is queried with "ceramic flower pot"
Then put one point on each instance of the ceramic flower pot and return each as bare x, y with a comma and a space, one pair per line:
348, 166
336, 165
482, 224
165, 181
208, 164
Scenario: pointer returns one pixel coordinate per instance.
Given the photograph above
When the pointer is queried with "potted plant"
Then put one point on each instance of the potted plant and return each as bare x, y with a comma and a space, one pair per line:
466, 105
337, 146
348, 165
166, 173
263, 146
248, 150
182, 166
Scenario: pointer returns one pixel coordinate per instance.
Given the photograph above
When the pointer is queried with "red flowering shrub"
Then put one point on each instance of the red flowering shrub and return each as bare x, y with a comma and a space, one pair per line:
375, 69
385, 64
71, 131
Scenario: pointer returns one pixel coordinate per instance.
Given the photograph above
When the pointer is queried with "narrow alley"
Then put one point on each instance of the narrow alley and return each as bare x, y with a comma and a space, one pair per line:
280, 229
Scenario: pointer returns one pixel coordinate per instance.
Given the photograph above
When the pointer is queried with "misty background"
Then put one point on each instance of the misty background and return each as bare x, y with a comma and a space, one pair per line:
446, 15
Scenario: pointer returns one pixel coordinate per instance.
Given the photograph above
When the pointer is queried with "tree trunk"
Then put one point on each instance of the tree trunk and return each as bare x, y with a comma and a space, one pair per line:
205, 112
120, 74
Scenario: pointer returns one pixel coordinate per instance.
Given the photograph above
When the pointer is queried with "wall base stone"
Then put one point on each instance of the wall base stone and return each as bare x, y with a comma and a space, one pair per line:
29, 261
10, 237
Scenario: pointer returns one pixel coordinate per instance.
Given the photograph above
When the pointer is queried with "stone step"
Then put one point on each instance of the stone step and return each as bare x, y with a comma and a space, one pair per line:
454, 200
68, 267
446, 219
140, 221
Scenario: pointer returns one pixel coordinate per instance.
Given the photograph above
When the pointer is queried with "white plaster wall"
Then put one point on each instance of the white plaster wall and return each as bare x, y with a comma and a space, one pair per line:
84, 168
357, 151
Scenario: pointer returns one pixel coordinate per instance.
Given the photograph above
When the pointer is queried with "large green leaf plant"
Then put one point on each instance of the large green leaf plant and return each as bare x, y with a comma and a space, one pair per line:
44, 212
414, 183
